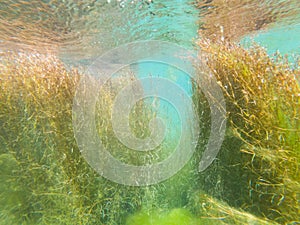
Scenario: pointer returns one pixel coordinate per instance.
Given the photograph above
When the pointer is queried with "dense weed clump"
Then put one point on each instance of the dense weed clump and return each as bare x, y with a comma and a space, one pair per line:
258, 166
255, 178
44, 178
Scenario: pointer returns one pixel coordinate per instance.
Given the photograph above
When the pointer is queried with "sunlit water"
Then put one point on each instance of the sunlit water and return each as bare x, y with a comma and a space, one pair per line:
279, 38
83, 30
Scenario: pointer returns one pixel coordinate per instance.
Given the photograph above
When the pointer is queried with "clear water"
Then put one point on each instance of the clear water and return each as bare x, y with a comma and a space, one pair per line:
78, 32
279, 38
86, 29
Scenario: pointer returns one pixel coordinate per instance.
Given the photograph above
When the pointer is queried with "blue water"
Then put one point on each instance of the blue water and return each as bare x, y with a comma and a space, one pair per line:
173, 21
168, 20
281, 38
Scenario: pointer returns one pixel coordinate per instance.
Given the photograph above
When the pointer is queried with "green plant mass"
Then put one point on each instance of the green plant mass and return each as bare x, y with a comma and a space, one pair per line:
174, 217
258, 166
44, 179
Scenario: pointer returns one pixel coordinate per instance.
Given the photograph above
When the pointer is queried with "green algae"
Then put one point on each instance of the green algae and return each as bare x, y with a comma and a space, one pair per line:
173, 217
254, 180
257, 168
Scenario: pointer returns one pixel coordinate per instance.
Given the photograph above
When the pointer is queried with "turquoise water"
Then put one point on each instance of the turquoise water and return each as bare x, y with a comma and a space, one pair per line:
282, 38
174, 21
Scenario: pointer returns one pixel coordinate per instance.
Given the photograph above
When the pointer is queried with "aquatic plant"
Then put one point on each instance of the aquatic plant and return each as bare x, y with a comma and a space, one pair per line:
210, 211
213, 211
44, 178
34, 97
258, 166
174, 217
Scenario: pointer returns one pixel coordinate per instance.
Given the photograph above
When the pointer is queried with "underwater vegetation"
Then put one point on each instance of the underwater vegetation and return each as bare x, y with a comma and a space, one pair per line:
44, 178
255, 179
213, 213
257, 168
175, 217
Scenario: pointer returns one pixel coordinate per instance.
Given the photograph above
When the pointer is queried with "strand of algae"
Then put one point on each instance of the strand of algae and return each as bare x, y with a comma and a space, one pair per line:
258, 166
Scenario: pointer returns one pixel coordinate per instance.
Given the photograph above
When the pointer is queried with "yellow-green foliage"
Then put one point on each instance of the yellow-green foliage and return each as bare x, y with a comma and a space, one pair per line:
44, 178
174, 217
217, 212
211, 211
258, 166
36, 92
